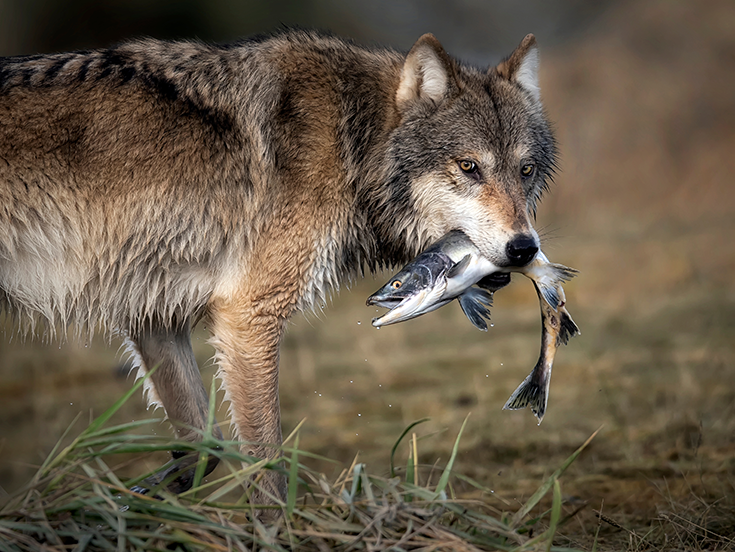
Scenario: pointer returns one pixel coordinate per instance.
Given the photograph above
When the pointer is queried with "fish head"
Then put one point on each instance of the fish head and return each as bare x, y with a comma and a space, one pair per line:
424, 273
417, 289
401, 287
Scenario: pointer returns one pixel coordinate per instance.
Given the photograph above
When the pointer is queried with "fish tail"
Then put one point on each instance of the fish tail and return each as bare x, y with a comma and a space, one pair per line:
532, 393
567, 329
476, 303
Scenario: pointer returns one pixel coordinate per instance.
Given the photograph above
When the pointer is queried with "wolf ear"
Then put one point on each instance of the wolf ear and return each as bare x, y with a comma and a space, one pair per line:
522, 67
427, 73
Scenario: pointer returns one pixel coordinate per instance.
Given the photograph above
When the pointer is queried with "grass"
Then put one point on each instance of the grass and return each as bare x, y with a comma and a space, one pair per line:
77, 502
660, 476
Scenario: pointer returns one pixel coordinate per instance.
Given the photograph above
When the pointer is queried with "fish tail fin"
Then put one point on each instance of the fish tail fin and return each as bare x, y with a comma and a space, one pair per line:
568, 328
531, 393
476, 303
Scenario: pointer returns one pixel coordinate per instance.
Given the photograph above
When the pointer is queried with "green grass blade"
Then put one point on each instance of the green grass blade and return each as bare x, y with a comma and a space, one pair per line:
555, 514
398, 442
204, 456
293, 479
103, 418
355, 482
97, 423
121, 428
410, 475
444, 479
541, 492
294, 432
367, 488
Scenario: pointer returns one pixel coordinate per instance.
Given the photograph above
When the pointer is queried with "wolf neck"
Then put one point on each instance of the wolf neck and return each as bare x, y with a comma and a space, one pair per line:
337, 102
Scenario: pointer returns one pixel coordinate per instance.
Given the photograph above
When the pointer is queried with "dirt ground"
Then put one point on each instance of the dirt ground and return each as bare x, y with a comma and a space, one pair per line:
644, 207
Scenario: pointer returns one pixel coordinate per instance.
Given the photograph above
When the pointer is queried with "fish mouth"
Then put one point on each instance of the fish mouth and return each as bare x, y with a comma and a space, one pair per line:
385, 302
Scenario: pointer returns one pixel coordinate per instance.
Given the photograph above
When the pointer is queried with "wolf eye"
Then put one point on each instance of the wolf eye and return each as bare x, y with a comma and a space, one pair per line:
527, 170
395, 284
469, 167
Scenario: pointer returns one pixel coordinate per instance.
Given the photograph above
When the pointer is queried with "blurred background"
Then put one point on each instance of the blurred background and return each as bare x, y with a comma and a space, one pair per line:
642, 95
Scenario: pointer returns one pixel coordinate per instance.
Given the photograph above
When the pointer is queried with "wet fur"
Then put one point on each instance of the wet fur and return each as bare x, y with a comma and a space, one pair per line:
150, 184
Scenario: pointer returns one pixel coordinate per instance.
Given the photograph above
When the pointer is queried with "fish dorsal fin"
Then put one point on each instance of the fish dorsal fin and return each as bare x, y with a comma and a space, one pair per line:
459, 267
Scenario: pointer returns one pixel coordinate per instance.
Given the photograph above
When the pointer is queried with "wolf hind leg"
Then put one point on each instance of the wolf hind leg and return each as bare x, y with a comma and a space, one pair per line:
177, 386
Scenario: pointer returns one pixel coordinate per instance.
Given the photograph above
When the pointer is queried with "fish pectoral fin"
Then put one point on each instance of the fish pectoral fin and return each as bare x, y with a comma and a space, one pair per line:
459, 267
548, 279
476, 305
550, 294
531, 393
563, 273
567, 329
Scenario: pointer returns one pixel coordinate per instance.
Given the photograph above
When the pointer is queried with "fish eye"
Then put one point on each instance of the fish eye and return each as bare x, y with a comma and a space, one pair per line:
395, 284
527, 170
467, 166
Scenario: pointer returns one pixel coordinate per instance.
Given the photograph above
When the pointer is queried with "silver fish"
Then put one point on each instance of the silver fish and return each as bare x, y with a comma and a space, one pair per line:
449, 269
445, 271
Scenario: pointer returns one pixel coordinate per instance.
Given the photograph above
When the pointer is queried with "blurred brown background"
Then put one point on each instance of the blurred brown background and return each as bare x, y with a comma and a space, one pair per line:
643, 98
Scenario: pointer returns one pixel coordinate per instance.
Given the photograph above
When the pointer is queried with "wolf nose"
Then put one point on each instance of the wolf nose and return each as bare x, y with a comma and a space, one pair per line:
521, 250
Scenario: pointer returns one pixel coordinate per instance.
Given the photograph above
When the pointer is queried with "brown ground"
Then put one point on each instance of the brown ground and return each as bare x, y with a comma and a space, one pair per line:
644, 206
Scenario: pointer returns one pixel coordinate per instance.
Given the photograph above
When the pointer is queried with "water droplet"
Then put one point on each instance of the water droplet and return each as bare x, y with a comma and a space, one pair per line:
487, 375
380, 385
350, 381
492, 325
501, 363
359, 414
320, 394
390, 406
71, 403
358, 322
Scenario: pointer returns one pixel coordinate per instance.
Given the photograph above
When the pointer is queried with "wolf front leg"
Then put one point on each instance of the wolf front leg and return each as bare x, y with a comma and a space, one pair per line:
176, 385
247, 341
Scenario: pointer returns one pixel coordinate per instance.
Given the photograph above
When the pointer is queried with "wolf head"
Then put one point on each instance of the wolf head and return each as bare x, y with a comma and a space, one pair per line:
473, 151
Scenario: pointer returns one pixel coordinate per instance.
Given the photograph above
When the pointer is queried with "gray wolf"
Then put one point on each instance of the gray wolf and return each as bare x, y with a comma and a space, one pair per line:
149, 185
